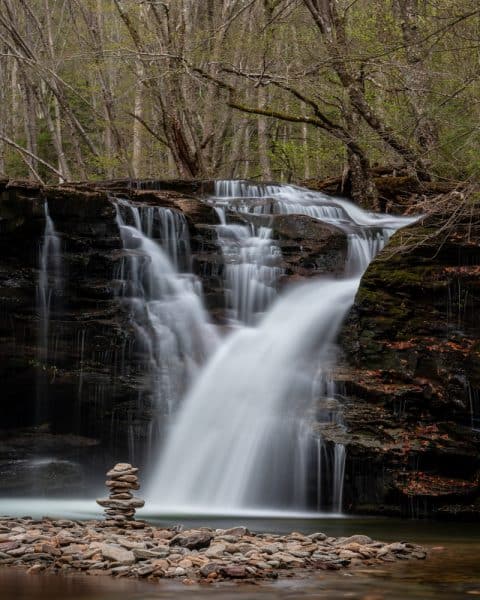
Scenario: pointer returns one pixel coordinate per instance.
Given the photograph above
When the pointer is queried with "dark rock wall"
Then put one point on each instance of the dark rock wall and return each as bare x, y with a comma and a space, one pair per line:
78, 402
412, 340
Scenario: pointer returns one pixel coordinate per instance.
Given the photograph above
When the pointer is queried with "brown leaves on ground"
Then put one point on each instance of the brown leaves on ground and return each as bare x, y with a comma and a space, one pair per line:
424, 484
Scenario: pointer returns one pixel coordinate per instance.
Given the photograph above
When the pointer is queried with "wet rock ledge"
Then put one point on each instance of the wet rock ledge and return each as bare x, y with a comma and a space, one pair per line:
193, 555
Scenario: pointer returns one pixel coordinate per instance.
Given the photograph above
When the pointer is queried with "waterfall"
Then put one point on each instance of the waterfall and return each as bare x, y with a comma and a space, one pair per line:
251, 257
49, 280
245, 437
165, 306
49, 292
168, 225
236, 441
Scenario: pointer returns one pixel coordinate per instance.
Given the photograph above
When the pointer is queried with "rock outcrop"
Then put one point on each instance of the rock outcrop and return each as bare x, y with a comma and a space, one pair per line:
412, 343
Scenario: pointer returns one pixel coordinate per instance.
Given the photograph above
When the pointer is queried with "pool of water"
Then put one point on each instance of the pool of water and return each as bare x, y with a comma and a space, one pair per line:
388, 529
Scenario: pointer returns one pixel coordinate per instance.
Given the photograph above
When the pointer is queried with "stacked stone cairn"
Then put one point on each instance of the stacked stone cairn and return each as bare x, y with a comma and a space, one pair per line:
121, 505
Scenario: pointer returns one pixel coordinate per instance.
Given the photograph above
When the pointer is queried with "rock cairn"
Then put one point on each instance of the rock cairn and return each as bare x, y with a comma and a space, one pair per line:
121, 505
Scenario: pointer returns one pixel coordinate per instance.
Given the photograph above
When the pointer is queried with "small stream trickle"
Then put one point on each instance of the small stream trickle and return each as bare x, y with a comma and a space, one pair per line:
49, 280
49, 291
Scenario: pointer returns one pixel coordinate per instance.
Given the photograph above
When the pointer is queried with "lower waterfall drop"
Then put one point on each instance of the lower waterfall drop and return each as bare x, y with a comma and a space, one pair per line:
245, 435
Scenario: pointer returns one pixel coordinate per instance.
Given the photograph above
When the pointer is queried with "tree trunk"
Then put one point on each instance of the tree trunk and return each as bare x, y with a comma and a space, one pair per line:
55, 125
137, 126
417, 80
359, 185
262, 132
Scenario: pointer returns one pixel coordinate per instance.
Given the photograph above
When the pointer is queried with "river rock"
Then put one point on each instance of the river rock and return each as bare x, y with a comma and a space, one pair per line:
359, 539
209, 569
236, 531
193, 554
6, 546
317, 537
215, 551
234, 571
121, 485
122, 504
122, 569
144, 554
121, 469
195, 541
117, 554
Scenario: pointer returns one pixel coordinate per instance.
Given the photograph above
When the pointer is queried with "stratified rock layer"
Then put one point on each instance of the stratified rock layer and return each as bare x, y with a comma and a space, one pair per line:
412, 341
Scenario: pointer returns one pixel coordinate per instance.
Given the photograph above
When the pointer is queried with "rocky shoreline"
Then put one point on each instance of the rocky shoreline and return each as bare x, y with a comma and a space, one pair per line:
200, 555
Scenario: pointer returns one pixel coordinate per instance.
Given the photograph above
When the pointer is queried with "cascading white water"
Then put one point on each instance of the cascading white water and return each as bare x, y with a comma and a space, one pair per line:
243, 437
165, 306
242, 417
171, 227
251, 257
48, 298
251, 270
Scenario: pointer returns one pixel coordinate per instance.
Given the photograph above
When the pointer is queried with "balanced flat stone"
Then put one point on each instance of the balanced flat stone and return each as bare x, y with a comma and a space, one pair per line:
132, 503
122, 485
117, 553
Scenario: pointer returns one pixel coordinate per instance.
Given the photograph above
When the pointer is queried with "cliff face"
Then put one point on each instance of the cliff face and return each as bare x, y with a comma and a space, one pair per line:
412, 343
411, 346
82, 400
55, 405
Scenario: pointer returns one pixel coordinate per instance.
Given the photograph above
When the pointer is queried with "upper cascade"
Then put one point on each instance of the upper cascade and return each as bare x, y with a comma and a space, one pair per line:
252, 270
270, 199
368, 232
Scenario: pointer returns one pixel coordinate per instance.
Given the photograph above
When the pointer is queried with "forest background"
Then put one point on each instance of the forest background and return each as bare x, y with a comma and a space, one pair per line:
288, 90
